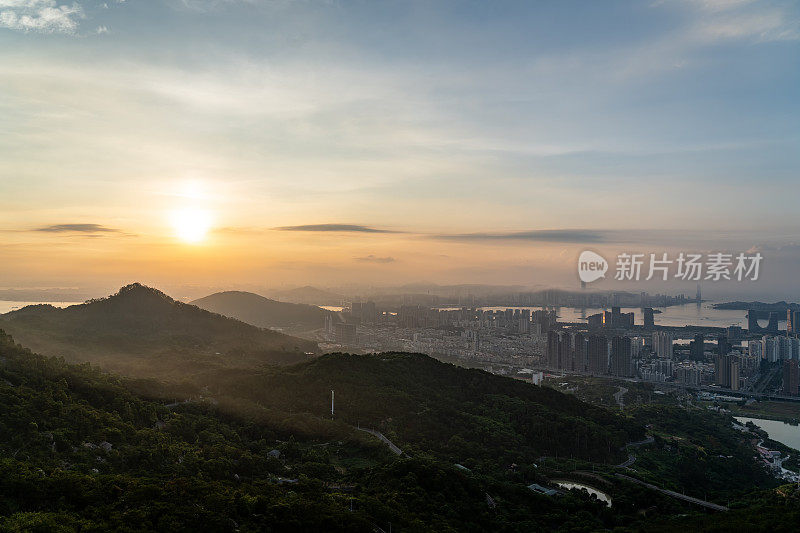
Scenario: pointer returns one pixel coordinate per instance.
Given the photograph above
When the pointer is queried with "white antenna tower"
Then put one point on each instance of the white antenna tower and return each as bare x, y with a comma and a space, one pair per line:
331, 403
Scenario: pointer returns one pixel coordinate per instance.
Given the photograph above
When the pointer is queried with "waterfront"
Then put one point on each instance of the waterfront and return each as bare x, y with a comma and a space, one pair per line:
8, 305
676, 315
782, 432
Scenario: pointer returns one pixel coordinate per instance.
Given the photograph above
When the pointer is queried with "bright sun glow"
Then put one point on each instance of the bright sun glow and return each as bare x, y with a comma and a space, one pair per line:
191, 224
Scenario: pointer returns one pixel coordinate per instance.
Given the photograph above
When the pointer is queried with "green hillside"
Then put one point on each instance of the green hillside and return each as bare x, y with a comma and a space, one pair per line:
141, 331
469, 416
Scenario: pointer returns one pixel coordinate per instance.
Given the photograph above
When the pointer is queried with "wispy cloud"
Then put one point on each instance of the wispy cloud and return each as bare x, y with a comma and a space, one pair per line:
375, 259
340, 228
43, 16
77, 228
754, 20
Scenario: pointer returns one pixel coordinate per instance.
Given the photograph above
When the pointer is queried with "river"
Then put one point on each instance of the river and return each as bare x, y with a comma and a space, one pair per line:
675, 315
778, 431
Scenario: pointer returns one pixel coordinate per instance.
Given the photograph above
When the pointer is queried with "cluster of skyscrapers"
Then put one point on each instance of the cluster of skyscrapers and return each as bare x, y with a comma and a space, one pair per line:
590, 353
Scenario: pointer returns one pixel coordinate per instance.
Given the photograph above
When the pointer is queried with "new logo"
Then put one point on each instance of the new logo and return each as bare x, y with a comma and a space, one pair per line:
591, 266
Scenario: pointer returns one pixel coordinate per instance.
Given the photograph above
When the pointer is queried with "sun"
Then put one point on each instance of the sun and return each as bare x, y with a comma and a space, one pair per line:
191, 225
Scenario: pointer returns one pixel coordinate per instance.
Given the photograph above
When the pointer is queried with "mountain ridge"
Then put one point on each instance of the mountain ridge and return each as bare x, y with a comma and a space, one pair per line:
261, 311
140, 324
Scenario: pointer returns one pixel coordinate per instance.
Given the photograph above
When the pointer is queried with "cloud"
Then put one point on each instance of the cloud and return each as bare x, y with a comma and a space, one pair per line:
753, 20
374, 259
77, 228
42, 16
341, 228
553, 235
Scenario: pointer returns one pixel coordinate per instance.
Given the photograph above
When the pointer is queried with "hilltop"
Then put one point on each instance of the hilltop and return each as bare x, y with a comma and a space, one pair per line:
263, 312
142, 331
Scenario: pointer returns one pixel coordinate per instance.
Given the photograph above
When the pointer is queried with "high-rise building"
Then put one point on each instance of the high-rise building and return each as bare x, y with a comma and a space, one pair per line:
579, 352
595, 321
697, 347
791, 377
752, 321
369, 313
637, 345
649, 319
689, 374
726, 371
770, 350
626, 320
754, 348
734, 373
616, 317
621, 356
723, 345
792, 322
784, 347
597, 354
773, 322
559, 350
553, 338
794, 343
735, 333
345, 333
662, 345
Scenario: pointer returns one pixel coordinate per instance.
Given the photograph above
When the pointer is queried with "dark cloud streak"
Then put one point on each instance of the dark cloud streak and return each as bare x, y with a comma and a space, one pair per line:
555, 235
341, 228
77, 228
374, 259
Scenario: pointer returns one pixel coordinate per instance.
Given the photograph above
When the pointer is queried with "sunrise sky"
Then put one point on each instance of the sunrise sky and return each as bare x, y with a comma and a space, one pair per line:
223, 143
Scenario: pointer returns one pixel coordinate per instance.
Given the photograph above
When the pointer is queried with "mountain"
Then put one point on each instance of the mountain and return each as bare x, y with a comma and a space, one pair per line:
263, 312
308, 295
140, 330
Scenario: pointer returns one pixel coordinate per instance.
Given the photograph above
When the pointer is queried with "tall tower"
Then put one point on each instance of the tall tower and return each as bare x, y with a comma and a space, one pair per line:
699, 294
621, 356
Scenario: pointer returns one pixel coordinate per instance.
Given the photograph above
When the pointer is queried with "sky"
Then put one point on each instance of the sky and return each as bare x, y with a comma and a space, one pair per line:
226, 143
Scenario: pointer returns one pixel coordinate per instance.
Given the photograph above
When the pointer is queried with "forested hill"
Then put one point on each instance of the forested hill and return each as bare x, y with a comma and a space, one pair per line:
80, 452
262, 312
468, 416
142, 331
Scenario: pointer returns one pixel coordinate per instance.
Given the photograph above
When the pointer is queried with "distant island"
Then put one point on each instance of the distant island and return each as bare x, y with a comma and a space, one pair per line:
779, 307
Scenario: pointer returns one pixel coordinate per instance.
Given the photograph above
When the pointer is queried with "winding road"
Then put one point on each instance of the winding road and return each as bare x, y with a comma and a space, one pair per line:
395, 450
678, 495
